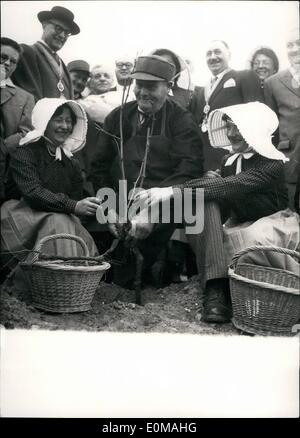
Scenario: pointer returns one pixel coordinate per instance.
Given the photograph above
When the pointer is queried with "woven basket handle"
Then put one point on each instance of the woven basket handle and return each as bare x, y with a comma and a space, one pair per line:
59, 236
253, 248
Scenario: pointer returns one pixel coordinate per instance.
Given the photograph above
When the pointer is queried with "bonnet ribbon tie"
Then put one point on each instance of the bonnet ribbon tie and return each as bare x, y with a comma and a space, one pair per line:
66, 151
239, 157
58, 149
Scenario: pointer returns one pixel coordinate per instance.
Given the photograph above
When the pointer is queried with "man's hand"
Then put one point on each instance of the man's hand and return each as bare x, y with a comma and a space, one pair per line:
141, 226
87, 206
154, 196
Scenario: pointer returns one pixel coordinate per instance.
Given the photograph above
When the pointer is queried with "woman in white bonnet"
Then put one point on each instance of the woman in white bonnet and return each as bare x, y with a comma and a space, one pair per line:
45, 184
249, 187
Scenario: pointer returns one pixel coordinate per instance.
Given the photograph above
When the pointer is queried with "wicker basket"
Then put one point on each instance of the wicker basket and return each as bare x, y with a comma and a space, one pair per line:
64, 286
265, 300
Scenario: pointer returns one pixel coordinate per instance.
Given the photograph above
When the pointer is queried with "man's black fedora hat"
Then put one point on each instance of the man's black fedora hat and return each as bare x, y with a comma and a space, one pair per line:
62, 14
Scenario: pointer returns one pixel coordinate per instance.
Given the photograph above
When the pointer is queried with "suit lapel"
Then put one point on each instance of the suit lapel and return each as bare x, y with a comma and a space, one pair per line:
41, 52
66, 79
220, 85
6, 94
286, 79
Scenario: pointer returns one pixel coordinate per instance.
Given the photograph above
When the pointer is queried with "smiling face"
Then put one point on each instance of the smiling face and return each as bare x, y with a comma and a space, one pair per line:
235, 137
9, 60
60, 126
217, 57
123, 70
151, 95
101, 80
79, 80
55, 33
263, 66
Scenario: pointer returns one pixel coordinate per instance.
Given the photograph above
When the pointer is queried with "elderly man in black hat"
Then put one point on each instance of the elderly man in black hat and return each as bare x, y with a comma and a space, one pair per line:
80, 72
41, 71
161, 142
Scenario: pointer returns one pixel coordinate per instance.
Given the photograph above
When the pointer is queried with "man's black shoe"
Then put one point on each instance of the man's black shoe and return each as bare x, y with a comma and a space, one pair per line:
216, 306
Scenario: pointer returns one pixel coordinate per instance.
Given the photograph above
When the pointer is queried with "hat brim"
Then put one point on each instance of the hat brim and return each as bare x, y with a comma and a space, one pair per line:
47, 15
79, 69
146, 77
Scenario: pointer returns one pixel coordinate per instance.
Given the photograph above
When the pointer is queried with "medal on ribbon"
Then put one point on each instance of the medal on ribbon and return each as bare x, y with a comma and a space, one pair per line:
204, 126
60, 86
206, 109
204, 123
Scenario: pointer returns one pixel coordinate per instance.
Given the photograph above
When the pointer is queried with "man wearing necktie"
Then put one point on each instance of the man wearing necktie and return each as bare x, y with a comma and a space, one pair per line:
226, 87
161, 142
41, 71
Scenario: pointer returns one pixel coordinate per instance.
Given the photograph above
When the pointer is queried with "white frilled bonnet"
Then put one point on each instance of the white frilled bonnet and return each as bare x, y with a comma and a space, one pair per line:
41, 115
256, 123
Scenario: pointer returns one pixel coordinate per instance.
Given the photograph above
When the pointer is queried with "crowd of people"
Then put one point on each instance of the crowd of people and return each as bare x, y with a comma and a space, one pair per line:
69, 130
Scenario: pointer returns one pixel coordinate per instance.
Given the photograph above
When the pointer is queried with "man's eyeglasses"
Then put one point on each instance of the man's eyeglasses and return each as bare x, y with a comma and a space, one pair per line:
58, 29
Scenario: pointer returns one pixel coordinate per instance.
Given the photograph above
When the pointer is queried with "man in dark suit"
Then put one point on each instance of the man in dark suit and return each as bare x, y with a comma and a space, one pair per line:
15, 107
282, 94
41, 71
227, 87
161, 145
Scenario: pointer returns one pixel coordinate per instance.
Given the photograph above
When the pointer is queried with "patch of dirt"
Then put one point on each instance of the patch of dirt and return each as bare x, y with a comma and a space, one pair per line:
173, 309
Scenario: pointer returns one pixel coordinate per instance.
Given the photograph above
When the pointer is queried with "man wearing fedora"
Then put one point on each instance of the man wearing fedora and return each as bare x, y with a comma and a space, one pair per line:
41, 71
80, 72
160, 140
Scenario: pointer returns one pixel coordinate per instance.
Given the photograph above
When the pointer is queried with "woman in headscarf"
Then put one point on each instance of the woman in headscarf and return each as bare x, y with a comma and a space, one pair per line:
250, 190
45, 182
264, 62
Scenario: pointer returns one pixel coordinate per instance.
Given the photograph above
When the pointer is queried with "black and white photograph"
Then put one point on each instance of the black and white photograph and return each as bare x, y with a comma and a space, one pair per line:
149, 199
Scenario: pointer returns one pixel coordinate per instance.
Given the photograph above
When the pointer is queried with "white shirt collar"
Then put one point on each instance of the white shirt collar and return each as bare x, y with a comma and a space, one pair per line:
220, 75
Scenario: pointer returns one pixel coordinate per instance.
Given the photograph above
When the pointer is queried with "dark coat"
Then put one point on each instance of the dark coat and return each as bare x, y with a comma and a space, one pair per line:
284, 99
36, 75
16, 108
247, 88
180, 160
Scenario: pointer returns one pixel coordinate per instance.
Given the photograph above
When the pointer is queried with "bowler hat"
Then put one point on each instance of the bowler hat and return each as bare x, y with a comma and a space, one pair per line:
153, 68
79, 65
62, 14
